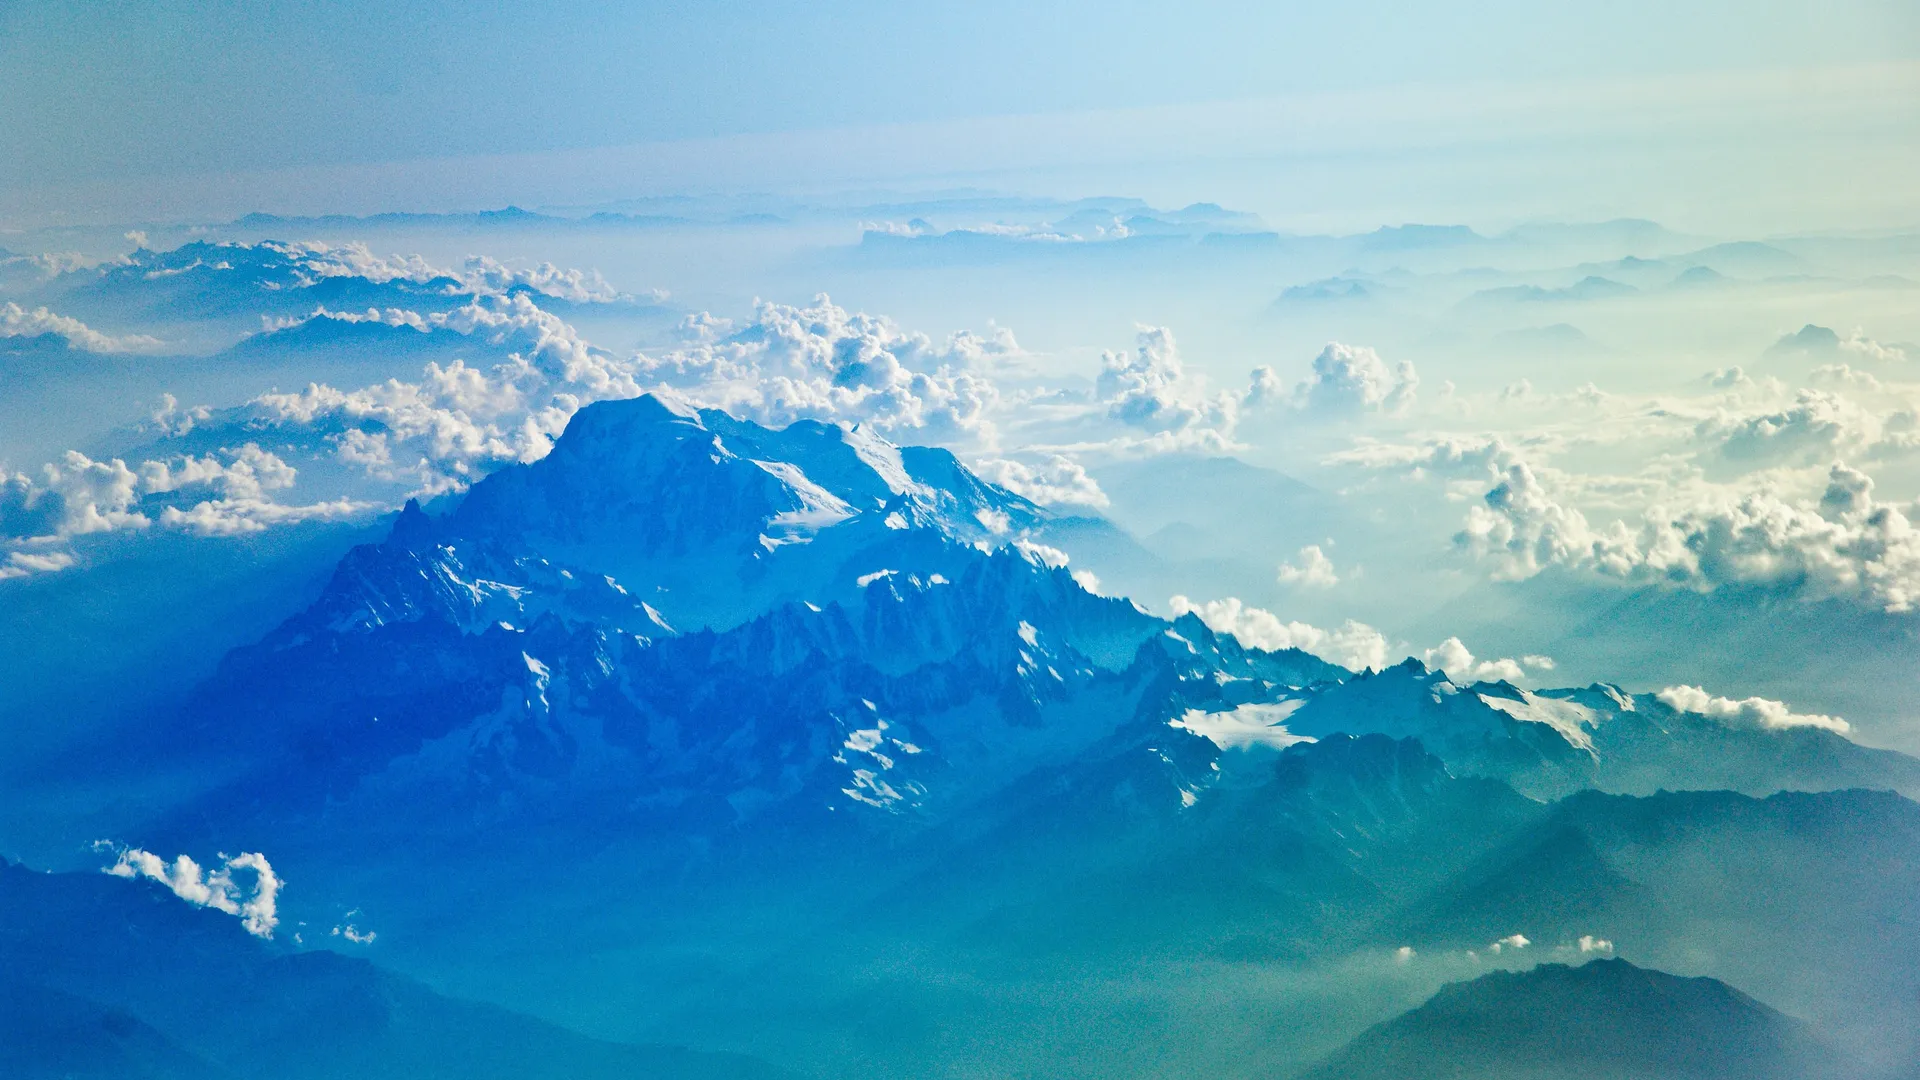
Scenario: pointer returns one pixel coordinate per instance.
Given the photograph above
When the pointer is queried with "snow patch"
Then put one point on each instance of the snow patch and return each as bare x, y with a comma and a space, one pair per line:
1570, 718
1246, 726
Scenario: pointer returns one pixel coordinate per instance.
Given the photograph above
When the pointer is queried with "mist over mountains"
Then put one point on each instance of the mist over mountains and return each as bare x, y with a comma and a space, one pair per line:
474, 667
685, 664
971, 542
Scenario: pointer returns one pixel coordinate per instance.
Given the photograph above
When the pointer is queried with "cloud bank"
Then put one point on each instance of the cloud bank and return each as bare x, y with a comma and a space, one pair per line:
1753, 714
16, 321
1850, 545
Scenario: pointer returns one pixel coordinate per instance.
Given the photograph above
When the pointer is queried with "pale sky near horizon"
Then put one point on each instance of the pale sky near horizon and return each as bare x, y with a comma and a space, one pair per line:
1714, 115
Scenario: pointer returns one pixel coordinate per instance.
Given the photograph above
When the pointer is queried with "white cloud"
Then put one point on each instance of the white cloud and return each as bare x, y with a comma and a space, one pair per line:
1850, 546
217, 889
1846, 375
16, 321
1151, 389
1454, 658
1589, 944
455, 423
1524, 530
1314, 570
487, 275
514, 324
1858, 343
1815, 339
1353, 378
825, 363
1512, 941
224, 493
1754, 713
1354, 646
21, 564
1818, 425
1056, 481
1729, 378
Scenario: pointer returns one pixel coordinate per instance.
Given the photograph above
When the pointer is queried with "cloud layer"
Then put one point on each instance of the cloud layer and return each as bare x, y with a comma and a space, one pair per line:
1848, 545
16, 321
1754, 713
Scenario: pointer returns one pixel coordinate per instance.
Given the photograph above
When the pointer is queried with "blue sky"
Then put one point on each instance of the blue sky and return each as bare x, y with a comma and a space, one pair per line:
104, 94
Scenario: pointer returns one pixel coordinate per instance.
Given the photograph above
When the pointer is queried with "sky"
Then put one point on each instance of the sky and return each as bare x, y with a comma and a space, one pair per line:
176, 112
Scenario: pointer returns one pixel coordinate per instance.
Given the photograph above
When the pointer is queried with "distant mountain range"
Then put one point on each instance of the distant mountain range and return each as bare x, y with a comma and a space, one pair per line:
779, 717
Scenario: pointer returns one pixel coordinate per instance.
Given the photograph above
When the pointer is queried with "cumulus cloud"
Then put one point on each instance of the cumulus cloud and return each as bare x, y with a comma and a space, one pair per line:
1151, 390
1817, 425
216, 889
1353, 378
1354, 645
1729, 378
1849, 546
825, 363
446, 429
514, 324
1312, 569
1846, 375
458, 422
1511, 941
16, 321
487, 275
224, 493
1056, 481
1752, 714
1461, 666
1523, 529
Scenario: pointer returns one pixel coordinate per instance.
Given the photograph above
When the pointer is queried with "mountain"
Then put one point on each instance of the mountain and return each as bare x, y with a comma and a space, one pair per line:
233, 287
677, 622
1602, 1020
1746, 258
1797, 896
1154, 844
48, 1034
241, 282
1552, 743
800, 742
105, 977
1282, 513
1417, 237
1591, 287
